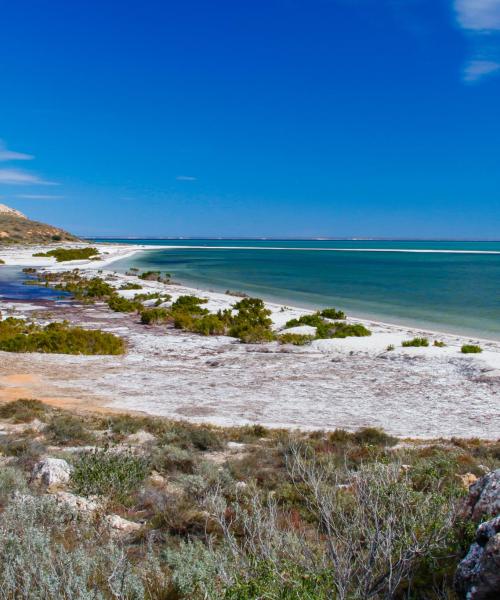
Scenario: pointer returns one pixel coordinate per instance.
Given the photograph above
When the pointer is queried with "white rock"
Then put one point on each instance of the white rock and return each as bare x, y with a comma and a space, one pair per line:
235, 445
77, 502
51, 472
120, 524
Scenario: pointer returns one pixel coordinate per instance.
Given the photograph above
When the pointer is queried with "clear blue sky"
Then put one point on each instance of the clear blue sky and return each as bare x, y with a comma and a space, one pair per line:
253, 117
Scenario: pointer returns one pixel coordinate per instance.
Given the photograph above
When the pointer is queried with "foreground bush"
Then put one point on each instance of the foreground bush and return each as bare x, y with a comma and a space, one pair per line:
297, 339
104, 472
23, 410
47, 553
65, 254
17, 335
471, 349
416, 342
152, 316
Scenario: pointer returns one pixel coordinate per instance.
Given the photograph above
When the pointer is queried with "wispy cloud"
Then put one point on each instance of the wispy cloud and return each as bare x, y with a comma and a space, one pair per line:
185, 178
6, 154
480, 20
20, 177
39, 197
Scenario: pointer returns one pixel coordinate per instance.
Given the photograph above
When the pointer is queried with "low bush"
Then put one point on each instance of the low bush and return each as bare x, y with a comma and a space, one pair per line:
471, 349
251, 323
121, 304
390, 348
23, 410
203, 439
438, 344
342, 330
190, 304
332, 313
296, 339
415, 342
17, 335
11, 480
65, 254
65, 429
131, 286
314, 320
105, 472
372, 436
209, 325
153, 316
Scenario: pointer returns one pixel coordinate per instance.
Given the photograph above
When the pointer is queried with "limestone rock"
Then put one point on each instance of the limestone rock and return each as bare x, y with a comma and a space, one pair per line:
78, 503
121, 525
478, 574
483, 500
51, 472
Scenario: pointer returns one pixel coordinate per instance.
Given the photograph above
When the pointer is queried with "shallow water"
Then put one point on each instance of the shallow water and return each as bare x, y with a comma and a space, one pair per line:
12, 287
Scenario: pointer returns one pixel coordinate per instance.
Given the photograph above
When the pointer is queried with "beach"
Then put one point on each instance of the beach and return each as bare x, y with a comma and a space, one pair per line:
346, 383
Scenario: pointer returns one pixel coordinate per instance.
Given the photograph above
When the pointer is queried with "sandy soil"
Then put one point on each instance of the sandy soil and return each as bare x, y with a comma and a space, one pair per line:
354, 382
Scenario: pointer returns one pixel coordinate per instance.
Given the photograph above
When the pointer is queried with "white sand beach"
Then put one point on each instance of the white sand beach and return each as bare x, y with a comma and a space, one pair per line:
335, 383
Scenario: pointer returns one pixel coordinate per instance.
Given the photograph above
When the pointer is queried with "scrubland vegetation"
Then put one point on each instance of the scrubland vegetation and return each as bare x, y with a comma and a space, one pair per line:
65, 254
416, 342
19, 335
471, 349
242, 513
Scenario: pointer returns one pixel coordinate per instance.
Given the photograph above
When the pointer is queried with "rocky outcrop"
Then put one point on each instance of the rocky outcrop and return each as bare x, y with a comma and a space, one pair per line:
120, 525
478, 574
51, 472
483, 500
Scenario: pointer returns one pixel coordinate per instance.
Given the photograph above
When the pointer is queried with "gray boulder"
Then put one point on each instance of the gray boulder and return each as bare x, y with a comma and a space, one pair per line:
483, 500
478, 574
51, 472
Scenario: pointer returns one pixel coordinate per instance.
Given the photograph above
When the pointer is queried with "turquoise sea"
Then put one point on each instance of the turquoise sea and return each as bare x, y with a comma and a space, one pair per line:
446, 285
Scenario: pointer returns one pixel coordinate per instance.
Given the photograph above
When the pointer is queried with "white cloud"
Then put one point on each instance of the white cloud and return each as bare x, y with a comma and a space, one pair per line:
480, 21
39, 197
6, 154
475, 69
478, 15
185, 178
20, 177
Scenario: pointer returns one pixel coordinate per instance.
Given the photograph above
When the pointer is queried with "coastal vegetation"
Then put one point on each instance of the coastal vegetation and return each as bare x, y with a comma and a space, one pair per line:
19, 335
66, 254
159, 509
416, 342
297, 339
471, 349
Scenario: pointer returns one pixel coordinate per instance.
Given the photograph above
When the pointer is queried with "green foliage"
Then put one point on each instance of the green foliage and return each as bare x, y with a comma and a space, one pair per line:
342, 330
65, 254
372, 436
332, 313
23, 410
325, 329
190, 305
203, 438
416, 342
209, 325
296, 339
131, 286
153, 316
390, 348
121, 304
471, 349
11, 480
152, 296
438, 344
17, 335
154, 276
66, 429
251, 324
87, 290
107, 472
314, 320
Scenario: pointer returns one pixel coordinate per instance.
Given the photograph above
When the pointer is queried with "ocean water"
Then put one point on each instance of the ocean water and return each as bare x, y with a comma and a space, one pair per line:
447, 286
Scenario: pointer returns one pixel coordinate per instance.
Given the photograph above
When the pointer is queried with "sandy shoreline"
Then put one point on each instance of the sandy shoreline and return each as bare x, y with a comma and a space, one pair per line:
351, 382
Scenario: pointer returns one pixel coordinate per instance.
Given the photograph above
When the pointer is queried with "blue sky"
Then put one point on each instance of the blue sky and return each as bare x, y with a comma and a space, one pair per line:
253, 118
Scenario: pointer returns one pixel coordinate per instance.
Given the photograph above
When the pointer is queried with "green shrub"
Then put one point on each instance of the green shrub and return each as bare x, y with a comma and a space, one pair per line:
471, 349
257, 334
439, 344
372, 436
342, 330
129, 285
65, 254
182, 320
86, 289
152, 296
203, 438
190, 305
121, 304
296, 339
314, 320
104, 472
11, 480
390, 348
66, 429
209, 325
152, 316
332, 313
23, 410
17, 335
169, 457
251, 324
416, 342
151, 276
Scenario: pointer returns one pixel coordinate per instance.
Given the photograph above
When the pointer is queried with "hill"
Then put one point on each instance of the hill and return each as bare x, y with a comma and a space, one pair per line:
16, 228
